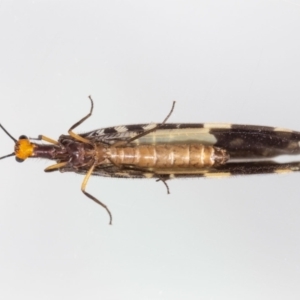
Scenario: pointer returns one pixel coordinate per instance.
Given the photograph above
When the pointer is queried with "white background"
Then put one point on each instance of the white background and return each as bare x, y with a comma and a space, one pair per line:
222, 61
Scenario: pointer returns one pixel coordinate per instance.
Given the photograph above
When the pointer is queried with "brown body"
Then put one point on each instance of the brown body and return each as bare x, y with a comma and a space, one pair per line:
164, 151
165, 156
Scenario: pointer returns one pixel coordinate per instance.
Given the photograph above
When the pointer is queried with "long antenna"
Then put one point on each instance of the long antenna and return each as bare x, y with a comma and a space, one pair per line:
8, 155
8, 133
11, 154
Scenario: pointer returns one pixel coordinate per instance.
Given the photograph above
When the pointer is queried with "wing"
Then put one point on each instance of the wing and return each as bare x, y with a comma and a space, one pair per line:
241, 141
230, 169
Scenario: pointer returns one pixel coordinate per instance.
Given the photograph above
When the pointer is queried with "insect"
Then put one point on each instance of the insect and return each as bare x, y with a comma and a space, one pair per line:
164, 151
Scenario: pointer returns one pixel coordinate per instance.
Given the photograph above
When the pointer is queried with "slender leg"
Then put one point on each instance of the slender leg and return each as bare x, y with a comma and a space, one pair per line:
45, 139
164, 182
133, 168
55, 167
75, 135
117, 144
83, 187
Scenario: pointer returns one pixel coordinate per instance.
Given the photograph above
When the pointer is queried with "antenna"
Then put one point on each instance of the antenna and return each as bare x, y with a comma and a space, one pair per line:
11, 154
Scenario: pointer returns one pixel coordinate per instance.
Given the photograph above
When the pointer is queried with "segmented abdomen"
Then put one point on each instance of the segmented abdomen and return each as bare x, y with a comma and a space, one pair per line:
168, 156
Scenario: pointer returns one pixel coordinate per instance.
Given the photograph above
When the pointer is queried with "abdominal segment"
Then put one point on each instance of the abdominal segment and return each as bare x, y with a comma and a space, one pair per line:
168, 156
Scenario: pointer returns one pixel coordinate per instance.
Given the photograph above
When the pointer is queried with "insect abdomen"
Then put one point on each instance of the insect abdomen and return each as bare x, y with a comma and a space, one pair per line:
168, 156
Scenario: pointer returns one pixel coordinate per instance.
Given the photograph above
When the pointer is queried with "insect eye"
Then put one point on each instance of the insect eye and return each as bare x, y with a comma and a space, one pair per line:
23, 137
19, 159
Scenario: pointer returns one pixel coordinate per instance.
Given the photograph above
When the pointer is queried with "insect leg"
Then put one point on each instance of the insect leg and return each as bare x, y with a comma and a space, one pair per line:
75, 135
143, 171
83, 187
147, 131
55, 167
164, 181
45, 139
154, 128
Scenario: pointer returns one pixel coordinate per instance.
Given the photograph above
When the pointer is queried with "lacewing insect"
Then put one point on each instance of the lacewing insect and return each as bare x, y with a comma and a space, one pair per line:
164, 151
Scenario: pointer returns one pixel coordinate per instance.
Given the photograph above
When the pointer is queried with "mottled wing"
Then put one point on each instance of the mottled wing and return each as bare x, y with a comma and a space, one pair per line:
230, 169
250, 148
240, 141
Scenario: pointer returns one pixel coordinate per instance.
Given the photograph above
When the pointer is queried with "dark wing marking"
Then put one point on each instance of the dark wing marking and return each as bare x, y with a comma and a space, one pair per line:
251, 168
243, 141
